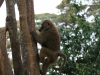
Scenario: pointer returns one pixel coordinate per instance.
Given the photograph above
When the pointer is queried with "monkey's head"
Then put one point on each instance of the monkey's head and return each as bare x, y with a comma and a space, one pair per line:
46, 25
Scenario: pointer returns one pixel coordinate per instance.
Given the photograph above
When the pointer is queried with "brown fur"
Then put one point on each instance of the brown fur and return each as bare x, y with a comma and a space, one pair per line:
48, 36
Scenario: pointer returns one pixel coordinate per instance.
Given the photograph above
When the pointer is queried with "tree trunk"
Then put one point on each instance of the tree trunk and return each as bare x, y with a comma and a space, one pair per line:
24, 54
32, 52
12, 28
23, 50
5, 63
31, 24
2, 71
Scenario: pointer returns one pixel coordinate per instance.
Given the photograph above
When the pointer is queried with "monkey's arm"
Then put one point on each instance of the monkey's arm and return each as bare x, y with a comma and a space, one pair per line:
37, 36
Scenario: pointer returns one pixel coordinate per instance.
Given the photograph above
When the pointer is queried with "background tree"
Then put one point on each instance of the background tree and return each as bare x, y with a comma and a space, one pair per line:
41, 17
80, 37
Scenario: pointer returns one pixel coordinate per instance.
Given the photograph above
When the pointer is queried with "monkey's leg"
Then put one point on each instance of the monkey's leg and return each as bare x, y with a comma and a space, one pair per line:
47, 57
45, 66
47, 52
42, 56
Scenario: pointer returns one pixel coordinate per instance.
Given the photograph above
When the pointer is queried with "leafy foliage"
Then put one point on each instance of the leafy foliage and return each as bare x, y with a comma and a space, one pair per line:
41, 17
80, 40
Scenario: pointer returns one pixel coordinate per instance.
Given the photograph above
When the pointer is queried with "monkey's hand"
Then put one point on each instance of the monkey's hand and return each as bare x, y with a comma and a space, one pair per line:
34, 32
37, 31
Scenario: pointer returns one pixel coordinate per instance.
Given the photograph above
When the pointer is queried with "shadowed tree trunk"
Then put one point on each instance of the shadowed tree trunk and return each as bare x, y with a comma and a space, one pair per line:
12, 29
30, 47
24, 54
23, 49
6, 62
2, 71
5, 67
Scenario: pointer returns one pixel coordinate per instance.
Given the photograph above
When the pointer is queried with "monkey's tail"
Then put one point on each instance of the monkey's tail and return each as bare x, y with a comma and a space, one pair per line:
60, 67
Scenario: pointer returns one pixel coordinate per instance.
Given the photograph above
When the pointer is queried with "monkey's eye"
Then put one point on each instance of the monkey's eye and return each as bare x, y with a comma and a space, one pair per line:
48, 23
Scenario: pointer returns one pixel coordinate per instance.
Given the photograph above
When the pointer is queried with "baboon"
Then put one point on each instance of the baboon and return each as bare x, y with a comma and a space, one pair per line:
49, 38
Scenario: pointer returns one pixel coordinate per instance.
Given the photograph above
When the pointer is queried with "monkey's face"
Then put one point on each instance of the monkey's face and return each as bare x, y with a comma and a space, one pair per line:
44, 26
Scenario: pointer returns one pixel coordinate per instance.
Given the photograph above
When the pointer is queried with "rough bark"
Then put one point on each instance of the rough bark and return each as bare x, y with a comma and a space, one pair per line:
31, 24
12, 29
7, 66
23, 49
32, 53
2, 71
5, 63
24, 54
30, 14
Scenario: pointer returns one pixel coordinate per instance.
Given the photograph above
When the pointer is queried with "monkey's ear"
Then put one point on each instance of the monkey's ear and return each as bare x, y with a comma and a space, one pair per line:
48, 24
